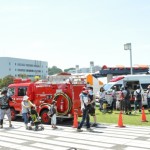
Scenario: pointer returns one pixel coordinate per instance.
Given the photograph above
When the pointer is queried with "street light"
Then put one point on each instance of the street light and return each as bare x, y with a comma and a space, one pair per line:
127, 46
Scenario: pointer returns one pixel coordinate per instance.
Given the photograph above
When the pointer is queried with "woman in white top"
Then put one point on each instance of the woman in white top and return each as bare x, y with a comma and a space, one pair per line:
102, 95
26, 107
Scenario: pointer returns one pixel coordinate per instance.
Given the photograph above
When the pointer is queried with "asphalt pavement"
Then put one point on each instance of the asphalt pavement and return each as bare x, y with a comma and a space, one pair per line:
103, 137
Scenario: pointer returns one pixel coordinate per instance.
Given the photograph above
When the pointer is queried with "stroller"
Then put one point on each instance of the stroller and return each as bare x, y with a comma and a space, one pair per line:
105, 107
35, 120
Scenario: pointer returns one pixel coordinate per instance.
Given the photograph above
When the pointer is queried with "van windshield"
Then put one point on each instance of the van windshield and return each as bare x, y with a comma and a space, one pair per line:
111, 85
107, 86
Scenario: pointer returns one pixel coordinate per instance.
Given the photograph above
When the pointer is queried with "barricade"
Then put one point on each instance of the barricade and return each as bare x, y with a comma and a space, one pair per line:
120, 120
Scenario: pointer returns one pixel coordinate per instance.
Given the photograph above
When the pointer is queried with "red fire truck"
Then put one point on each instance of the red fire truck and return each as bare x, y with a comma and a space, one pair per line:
60, 88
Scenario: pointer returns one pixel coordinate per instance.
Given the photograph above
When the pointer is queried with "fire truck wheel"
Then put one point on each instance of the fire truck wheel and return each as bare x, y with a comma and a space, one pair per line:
13, 114
44, 117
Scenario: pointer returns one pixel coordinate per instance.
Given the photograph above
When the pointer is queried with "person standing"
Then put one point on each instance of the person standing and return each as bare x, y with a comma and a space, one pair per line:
84, 99
5, 107
53, 110
148, 97
122, 94
102, 95
127, 104
114, 95
93, 103
26, 108
139, 97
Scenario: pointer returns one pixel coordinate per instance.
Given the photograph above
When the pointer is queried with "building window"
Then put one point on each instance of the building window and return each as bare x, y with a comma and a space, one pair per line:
20, 64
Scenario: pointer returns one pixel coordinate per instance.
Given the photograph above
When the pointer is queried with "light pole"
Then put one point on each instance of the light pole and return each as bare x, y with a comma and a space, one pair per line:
127, 46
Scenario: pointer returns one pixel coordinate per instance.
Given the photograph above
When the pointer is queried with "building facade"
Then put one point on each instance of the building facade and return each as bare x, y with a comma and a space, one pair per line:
23, 67
91, 69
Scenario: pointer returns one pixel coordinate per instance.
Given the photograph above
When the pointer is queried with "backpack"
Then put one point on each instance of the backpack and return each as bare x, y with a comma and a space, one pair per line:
127, 95
4, 102
91, 97
148, 94
138, 96
52, 111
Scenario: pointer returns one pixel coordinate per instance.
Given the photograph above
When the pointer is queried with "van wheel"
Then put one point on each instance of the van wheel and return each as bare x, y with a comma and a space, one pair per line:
44, 117
13, 114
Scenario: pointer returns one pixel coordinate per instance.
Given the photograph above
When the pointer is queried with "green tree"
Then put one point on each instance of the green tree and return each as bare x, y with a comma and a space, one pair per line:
6, 81
54, 70
23, 75
66, 70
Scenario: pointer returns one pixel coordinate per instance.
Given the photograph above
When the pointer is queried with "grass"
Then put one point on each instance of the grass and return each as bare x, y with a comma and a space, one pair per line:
112, 118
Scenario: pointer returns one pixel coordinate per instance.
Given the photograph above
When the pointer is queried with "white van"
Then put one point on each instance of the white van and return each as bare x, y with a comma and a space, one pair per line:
131, 81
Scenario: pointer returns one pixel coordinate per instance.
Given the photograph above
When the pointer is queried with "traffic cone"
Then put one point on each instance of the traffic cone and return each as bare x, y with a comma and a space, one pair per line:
143, 115
75, 121
120, 122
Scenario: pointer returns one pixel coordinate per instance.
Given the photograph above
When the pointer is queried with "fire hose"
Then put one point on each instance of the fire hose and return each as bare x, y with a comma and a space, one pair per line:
69, 101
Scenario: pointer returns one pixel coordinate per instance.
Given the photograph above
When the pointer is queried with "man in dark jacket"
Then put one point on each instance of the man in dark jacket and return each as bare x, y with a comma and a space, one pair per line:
5, 108
139, 97
84, 108
127, 103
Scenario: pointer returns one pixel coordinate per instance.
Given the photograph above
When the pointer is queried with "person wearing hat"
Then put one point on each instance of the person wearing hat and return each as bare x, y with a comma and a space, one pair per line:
148, 97
84, 99
26, 107
5, 108
53, 110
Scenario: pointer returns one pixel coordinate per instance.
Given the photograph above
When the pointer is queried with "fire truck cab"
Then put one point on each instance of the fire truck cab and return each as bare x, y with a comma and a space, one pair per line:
41, 93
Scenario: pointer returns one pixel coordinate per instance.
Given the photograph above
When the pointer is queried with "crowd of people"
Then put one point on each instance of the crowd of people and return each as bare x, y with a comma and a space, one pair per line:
26, 106
88, 105
122, 100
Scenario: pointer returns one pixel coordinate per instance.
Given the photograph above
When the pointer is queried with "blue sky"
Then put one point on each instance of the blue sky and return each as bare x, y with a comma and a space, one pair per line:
74, 32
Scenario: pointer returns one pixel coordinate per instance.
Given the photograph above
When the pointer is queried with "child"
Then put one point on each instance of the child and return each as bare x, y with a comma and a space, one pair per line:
53, 109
